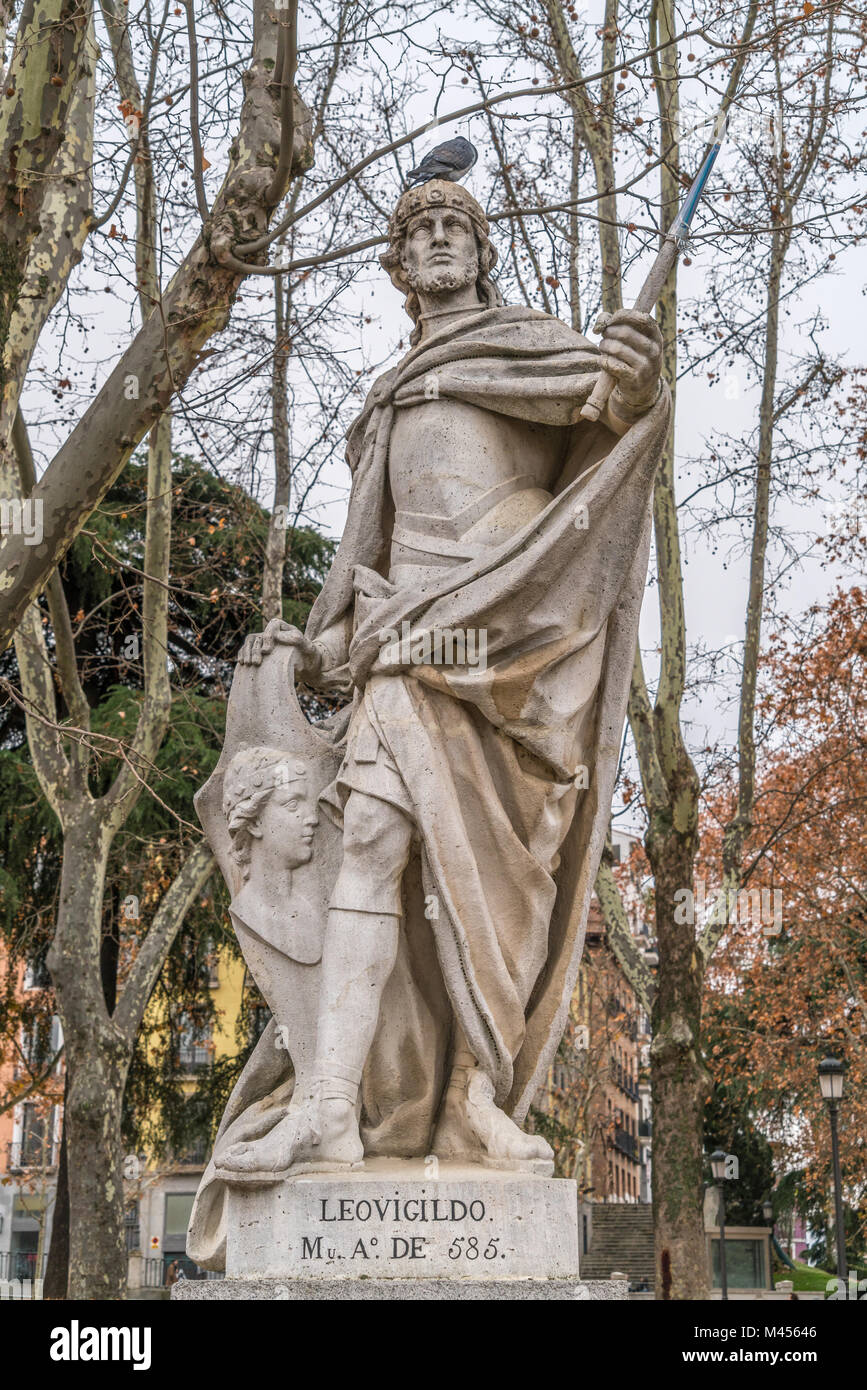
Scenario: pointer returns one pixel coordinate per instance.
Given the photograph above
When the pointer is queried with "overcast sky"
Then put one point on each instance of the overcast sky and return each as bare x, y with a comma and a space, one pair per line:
716, 570
715, 580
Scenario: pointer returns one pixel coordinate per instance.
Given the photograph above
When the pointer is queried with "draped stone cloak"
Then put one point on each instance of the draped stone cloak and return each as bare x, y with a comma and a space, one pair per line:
483, 752
509, 769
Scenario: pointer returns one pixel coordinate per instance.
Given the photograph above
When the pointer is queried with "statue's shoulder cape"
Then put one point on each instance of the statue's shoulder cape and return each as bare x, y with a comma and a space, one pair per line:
523, 337
513, 361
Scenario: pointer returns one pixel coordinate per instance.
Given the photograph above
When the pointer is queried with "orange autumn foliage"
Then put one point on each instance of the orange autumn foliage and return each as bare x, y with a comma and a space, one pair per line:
778, 1002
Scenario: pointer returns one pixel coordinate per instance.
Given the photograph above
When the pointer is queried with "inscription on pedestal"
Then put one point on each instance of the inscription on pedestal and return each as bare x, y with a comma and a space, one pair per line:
392, 1221
389, 1213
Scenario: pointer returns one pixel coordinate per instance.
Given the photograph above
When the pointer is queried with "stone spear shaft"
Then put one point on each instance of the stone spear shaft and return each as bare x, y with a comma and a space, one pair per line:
676, 239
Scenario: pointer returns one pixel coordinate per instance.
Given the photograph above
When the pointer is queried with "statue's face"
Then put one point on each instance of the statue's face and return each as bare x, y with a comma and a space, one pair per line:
286, 824
440, 251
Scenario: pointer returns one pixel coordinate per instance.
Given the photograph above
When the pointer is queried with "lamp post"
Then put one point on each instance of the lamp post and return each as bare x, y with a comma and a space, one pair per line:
831, 1071
768, 1214
718, 1168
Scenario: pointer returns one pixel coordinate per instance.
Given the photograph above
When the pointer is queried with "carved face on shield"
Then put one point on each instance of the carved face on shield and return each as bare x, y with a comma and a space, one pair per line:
269, 809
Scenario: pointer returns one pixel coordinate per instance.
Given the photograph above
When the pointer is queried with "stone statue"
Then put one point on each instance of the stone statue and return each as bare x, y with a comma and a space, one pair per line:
482, 612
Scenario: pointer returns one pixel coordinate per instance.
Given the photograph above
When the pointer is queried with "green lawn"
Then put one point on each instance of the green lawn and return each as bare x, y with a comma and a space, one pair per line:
805, 1278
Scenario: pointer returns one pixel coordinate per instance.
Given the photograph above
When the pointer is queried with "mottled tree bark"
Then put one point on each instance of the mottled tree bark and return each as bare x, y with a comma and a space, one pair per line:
275, 545
679, 1080
56, 1280
100, 1029
167, 347
97, 1059
38, 88
51, 252
669, 778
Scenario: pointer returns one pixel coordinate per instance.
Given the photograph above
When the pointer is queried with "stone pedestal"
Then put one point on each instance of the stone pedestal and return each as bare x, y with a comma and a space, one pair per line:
395, 1220
398, 1290
403, 1229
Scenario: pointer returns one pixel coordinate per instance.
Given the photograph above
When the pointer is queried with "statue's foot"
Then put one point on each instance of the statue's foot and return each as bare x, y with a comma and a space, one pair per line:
317, 1135
265, 1160
472, 1129
331, 1140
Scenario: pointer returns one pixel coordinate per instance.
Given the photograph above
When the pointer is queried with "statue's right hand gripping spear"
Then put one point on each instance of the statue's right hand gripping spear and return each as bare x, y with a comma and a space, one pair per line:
676, 239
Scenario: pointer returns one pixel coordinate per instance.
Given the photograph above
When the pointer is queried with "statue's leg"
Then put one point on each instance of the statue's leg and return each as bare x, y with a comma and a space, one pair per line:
360, 953
472, 1128
361, 939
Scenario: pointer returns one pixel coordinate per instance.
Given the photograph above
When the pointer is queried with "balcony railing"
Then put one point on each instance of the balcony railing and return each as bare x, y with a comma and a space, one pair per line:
20, 1264
645, 1129
195, 1154
195, 1057
31, 1152
623, 1081
154, 1272
625, 1144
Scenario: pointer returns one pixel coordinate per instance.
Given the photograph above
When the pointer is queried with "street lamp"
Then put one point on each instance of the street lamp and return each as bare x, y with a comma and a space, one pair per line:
768, 1214
718, 1168
831, 1071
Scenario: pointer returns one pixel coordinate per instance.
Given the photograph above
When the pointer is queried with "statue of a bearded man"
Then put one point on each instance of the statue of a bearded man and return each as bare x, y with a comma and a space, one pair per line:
482, 610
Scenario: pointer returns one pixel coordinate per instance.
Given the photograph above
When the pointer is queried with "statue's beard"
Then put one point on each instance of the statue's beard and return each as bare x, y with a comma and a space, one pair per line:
450, 278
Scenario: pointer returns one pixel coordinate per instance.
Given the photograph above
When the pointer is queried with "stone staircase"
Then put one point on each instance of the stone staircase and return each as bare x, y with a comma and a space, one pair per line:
622, 1239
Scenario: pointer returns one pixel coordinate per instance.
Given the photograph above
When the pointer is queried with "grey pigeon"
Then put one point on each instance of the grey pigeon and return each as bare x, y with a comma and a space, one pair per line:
451, 161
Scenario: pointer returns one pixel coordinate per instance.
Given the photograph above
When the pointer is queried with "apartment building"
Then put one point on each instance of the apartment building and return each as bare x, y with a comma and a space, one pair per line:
159, 1193
30, 1130
595, 1106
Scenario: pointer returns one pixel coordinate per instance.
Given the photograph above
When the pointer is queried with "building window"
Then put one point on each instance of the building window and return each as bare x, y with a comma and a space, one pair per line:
195, 1049
36, 975
745, 1263
212, 965
35, 1047
35, 1147
195, 1152
179, 1205
260, 1016
132, 1227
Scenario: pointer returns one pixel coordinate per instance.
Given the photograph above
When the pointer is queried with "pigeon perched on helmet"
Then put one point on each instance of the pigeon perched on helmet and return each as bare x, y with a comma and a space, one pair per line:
451, 160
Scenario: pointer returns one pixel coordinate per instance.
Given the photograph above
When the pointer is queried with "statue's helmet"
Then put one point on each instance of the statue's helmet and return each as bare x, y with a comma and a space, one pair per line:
437, 194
